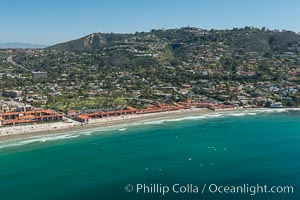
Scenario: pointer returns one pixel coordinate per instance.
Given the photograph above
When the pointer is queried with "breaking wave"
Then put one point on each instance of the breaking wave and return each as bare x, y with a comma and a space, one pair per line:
124, 127
36, 139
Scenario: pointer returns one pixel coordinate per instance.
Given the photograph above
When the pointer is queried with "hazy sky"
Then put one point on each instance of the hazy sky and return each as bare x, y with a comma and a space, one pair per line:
53, 21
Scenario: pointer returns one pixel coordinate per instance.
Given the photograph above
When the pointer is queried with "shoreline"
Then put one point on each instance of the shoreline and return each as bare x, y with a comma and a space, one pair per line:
20, 132
57, 128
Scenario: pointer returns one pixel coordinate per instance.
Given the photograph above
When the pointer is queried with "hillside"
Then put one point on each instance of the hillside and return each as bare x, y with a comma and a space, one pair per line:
246, 39
93, 41
248, 66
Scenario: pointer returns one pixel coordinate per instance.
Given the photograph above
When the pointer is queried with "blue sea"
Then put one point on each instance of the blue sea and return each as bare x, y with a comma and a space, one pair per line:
195, 157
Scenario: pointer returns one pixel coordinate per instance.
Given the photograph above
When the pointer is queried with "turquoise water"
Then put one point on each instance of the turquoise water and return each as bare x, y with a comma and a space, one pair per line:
257, 148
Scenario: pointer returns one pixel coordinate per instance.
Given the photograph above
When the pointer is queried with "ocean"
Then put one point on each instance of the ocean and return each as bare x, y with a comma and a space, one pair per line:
214, 156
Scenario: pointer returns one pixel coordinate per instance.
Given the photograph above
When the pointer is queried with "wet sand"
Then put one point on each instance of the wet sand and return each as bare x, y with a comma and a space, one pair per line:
24, 131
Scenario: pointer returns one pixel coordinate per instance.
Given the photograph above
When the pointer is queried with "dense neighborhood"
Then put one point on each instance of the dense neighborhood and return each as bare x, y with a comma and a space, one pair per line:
246, 67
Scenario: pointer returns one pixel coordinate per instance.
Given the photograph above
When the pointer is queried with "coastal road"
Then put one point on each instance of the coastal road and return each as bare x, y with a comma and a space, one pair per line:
10, 60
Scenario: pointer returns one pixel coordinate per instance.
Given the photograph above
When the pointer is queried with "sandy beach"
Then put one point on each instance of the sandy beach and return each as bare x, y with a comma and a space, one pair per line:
25, 131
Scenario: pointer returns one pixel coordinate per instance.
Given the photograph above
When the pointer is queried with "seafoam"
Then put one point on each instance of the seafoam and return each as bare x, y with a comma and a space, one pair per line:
124, 127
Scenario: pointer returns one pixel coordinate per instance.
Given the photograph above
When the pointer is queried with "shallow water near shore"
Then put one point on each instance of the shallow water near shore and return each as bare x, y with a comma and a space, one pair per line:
218, 148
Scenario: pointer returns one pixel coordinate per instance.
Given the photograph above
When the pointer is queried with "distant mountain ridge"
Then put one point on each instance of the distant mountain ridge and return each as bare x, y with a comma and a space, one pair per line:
19, 45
